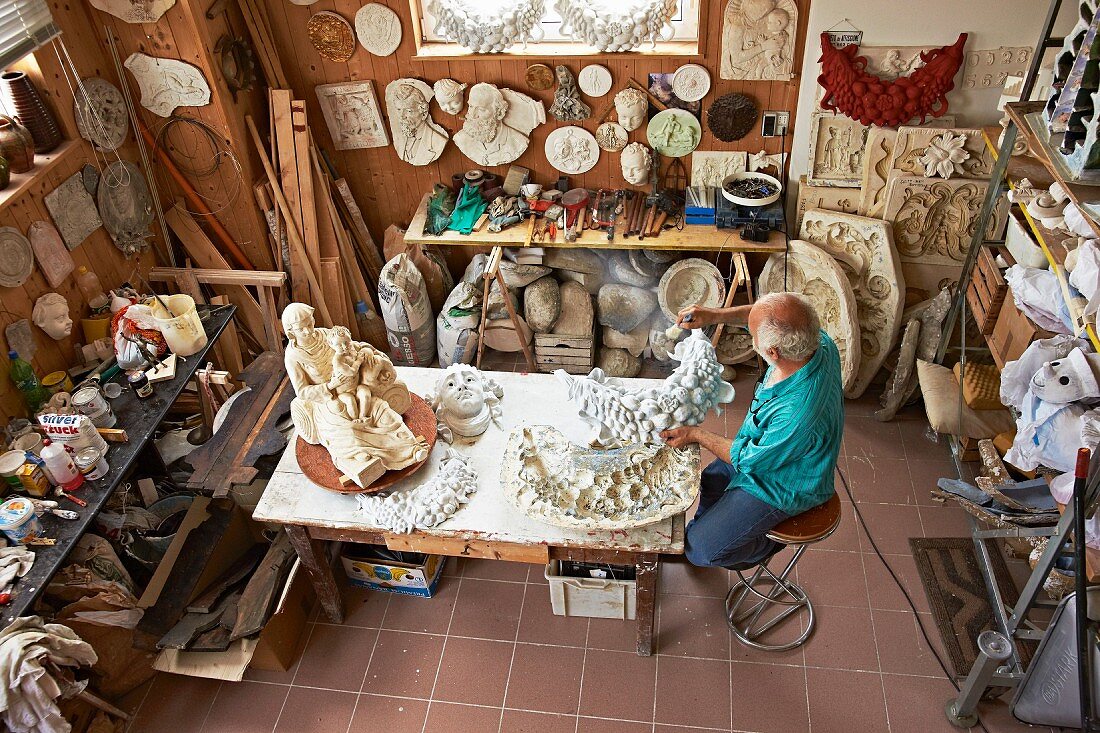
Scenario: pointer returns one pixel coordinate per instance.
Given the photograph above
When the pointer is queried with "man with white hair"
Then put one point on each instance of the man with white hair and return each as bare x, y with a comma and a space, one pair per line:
781, 461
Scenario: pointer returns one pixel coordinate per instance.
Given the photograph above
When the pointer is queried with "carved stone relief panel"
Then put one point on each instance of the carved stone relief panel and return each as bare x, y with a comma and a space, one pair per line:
866, 253
101, 117
498, 123
990, 68
73, 210
813, 272
889, 62
378, 29
912, 147
416, 137
831, 198
767, 162
709, 168
125, 206
166, 84
50, 252
836, 150
352, 114
876, 169
758, 39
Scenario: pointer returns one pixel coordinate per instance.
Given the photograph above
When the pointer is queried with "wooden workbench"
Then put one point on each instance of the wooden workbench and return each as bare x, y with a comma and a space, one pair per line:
489, 526
692, 238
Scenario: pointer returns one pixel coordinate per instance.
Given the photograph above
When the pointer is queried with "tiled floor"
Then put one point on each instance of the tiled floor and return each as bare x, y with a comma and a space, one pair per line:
487, 655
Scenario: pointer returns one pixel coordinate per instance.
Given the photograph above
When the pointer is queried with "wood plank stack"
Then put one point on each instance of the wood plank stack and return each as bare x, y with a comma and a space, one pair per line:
574, 354
988, 289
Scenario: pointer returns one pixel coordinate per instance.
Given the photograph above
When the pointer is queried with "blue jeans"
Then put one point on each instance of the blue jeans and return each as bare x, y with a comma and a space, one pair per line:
729, 527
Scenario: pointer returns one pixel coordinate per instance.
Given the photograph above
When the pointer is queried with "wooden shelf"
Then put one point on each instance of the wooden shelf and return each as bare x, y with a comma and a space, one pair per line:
692, 238
43, 164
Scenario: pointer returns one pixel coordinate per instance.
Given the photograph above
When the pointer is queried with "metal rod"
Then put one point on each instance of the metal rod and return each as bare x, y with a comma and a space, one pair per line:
1080, 586
1040, 48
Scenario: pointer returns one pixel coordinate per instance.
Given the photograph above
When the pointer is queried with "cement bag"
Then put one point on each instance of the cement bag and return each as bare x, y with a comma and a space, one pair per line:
403, 300
428, 260
456, 326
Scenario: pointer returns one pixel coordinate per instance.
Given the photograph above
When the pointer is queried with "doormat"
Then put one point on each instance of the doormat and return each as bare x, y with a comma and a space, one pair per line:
951, 575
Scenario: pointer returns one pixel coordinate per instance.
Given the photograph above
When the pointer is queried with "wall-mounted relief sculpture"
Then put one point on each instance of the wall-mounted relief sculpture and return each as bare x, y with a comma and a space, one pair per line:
166, 84
550, 479
73, 210
567, 106
572, 149
636, 161
134, 11
691, 82
622, 415
990, 68
889, 62
924, 151
693, 281
50, 252
709, 168
352, 114
378, 29
866, 254
416, 137
498, 122
594, 80
51, 314
768, 162
933, 219
813, 272
488, 28
611, 136
465, 402
101, 116
674, 133
876, 169
758, 39
331, 35
429, 504
732, 116
450, 95
16, 258
831, 198
836, 150
125, 206
618, 27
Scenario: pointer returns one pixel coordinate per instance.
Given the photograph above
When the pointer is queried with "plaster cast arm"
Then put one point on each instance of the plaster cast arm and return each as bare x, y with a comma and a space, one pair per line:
717, 444
702, 316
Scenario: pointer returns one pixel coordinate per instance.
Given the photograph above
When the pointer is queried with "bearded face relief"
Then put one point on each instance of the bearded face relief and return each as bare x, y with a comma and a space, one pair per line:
497, 124
416, 137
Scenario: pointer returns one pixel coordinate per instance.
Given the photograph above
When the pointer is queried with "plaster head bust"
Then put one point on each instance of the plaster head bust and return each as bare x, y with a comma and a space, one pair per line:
51, 314
412, 108
298, 323
631, 106
448, 93
485, 113
635, 162
465, 400
1067, 380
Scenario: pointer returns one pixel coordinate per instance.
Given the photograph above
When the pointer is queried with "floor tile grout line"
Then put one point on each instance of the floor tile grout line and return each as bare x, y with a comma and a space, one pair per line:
297, 669
442, 651
512, 661
656, 641
366, 670
134, 715
206, 717
580, 683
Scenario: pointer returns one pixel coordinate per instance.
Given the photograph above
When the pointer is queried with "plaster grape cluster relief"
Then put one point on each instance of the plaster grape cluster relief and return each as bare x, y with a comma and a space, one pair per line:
427, 505
488, 27
614, 27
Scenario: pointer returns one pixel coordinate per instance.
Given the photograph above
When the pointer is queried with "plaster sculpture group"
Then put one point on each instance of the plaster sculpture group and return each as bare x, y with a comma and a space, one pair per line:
416, 137
552, 480
167, 83
465, 402
614, 27
622, 415
636, 161
348, 399
710, 168
611, 136
674, 133
866, 254
352, 115
758, 39
572, 149
498, 122
483, 28
426, 505
51, 314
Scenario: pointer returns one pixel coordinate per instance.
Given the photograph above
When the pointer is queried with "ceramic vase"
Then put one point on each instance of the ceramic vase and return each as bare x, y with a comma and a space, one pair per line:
16, 145
5, 173
32, 111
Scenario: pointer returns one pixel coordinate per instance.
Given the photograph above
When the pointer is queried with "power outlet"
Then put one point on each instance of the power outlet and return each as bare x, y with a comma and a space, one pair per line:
774, 123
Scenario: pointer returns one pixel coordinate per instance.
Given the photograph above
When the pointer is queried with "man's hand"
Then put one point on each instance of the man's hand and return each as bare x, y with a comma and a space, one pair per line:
697, 316
680, 437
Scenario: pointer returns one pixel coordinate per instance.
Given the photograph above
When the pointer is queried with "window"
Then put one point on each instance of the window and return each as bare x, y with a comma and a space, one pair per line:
24, 26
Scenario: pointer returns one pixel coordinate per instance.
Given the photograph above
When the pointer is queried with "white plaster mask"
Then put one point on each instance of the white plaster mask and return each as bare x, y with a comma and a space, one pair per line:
51, 314
465, 400
1067, 380
631, 107
635, 161
448, 93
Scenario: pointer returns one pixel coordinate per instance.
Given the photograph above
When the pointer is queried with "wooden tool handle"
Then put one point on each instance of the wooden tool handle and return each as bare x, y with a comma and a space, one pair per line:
660, 224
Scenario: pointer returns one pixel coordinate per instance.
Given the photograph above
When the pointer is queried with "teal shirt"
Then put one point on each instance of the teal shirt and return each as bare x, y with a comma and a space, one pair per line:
785, 452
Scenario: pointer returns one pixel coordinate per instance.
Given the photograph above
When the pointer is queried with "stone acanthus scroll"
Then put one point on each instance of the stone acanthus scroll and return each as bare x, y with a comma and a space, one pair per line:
933, 219
166, 84
352, 115
758, 39
498, 122
416, 137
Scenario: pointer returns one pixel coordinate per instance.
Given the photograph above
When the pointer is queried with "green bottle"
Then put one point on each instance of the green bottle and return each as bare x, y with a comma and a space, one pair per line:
26, 380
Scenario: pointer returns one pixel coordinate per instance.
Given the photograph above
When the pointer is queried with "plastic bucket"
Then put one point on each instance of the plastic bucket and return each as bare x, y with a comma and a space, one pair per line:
10, 463
18, 521
181, 327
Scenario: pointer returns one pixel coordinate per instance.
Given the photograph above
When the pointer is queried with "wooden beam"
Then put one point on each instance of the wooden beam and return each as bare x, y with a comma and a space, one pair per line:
258, 278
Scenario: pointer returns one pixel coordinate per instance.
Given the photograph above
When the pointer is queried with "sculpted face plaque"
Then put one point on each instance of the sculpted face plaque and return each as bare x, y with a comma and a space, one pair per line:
352, 114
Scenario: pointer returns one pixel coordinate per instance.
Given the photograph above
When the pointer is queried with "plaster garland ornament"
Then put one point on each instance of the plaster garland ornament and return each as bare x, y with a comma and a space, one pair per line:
331, 35
693, 281
636, 161
352, 114
917, 150
572, 150
465, 401
488, 28
554, 481
348, 398
615, 27
758, 39
134, 11
864, 249
125, 206
674, 133
814, 273
631, 107
691, 82
16, 258
622, 415
449, 94
732, 116
50, 252
853, 92
51, 314
73, 210
944, 155
416, 136
567, 106
594, 80
611, 136
427, 505
101, 116
166, 84
710, 168
498, 123
378, 29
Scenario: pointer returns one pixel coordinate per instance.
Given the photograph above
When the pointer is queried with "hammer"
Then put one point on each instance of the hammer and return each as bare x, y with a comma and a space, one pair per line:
668, 205
651, 206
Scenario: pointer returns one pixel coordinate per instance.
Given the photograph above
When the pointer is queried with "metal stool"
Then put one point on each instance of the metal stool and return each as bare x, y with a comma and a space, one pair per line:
802, 530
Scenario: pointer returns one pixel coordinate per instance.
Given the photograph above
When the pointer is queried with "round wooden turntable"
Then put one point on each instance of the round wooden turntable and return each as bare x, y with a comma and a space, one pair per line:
317, 465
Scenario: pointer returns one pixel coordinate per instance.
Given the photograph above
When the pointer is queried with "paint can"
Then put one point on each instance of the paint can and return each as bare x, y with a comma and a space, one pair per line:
58, 381
89, 401
18, 521
91, 463
10, 463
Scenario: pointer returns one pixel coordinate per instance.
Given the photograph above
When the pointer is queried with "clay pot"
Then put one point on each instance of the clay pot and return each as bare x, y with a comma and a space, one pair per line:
32, 111
5, 173
16, 145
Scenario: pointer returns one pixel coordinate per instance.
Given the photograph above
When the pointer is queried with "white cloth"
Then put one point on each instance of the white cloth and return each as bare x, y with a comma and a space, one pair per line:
14, 563
27, 690
1038, 294
1047, 435
1061, 488
1016, 376
1086, 275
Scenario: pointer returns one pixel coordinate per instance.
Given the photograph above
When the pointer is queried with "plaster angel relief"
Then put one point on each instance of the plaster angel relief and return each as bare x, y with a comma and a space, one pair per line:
758, 39
352, 114
497, 125
166, 84
416, 137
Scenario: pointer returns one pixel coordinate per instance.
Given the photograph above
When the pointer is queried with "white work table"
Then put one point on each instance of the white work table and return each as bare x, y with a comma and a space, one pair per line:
489, 526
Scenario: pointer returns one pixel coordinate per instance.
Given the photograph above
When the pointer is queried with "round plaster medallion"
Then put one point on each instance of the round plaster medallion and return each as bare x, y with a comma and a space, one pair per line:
540, 77
101, 116
331, 35
691, 82
302, 2
572, 149
378, 29
16, 258
611, 136
674, 133
594, 80
690, 282
732, 116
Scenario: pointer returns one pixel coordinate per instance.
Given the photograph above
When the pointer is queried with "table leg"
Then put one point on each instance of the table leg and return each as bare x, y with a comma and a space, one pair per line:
645, 573
313, 556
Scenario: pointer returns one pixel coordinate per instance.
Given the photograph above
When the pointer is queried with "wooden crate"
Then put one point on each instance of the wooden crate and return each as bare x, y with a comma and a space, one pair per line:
1012, 334
574, 354
987, 290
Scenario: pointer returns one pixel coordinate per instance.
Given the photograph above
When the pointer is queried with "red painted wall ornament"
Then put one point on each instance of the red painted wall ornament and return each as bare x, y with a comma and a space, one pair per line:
850, 90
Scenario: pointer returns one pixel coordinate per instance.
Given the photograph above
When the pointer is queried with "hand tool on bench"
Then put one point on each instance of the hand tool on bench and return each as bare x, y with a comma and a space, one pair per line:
650, 215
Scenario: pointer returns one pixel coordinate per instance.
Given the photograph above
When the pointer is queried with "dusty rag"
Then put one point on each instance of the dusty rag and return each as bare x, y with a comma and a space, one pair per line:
15, 562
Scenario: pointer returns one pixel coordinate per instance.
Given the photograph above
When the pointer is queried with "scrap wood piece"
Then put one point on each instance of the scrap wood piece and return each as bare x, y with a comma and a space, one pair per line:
217, 639
192, 625
365, 245
212, 594
258, 599
992, 464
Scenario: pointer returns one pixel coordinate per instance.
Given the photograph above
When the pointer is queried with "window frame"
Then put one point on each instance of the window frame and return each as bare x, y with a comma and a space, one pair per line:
25, 26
